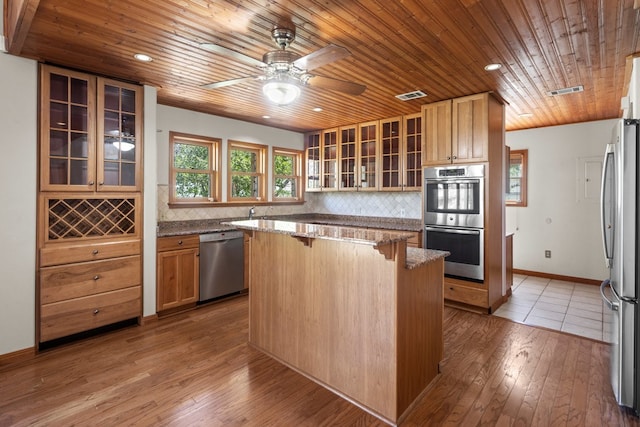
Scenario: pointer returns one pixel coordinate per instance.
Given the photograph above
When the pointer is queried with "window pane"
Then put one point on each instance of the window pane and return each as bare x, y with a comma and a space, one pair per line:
189, 156
244, 186
244, 161
189, 185
283, 165
285, 187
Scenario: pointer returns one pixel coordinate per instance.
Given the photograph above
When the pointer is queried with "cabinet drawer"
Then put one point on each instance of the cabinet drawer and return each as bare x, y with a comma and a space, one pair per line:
467, 295
177, 242
66, 254
77, 280
82, 314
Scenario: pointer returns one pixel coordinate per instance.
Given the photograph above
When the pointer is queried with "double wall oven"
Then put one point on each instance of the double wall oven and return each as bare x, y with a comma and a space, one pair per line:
454, 218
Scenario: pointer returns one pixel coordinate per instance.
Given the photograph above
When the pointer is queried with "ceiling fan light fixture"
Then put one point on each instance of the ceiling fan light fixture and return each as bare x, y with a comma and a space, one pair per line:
281, 93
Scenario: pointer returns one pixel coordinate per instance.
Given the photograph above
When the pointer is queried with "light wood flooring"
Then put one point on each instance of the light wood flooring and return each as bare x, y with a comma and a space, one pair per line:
196, 369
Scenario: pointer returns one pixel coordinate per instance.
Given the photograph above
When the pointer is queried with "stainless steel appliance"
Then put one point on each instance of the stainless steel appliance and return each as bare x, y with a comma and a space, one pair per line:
454, 217
221, 264
620, 231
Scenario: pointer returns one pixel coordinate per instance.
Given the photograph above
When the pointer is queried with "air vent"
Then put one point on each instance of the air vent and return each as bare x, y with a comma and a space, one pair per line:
411, 95
565, 91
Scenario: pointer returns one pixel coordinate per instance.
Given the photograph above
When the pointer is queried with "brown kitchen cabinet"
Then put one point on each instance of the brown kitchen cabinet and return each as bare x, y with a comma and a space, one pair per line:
89, 219
459, 130
329, 160
90, 133
358, 157
313, 160
178, 266
401, 153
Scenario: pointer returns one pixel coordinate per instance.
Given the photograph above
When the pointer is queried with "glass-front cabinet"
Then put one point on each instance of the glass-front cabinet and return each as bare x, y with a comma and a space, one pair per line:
401, 153
348, 146
367, 165
313, 159
91, 133
329, 160
412, 165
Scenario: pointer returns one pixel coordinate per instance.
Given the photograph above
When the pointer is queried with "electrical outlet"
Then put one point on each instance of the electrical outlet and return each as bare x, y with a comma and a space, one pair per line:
402, 213
547, 254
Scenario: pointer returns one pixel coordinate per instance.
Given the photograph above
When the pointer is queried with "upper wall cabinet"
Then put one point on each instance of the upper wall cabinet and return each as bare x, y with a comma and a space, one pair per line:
400, 153
358, 157
456, 131
313, 160
91, 133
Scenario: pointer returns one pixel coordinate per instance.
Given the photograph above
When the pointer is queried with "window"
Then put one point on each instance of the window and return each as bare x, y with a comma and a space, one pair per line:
246, 172
194, 168
517, 184
287, 174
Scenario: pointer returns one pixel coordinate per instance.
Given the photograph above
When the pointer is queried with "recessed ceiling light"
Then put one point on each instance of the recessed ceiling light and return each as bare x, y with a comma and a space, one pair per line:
266, 117
142, 57
317, 109
492, 67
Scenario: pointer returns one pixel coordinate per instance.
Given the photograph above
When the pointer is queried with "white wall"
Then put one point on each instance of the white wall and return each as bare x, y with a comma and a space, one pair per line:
559, 216
18, 173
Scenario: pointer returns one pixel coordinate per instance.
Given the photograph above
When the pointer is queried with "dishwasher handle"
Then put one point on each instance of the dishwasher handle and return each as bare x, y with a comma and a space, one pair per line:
219, 236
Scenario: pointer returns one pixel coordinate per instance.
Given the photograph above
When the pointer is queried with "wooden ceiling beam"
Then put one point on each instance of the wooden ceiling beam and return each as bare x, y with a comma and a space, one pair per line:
19, 15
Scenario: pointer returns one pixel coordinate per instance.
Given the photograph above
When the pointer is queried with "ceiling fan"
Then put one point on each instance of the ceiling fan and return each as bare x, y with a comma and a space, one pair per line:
284, 72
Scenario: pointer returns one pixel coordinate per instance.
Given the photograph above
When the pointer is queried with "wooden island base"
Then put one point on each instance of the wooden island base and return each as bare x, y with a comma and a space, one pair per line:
350, 315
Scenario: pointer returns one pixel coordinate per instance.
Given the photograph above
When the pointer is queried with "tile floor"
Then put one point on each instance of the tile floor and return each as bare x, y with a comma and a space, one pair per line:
574, 308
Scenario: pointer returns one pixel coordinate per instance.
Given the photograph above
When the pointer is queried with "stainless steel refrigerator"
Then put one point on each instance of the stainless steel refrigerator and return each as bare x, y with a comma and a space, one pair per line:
620, 231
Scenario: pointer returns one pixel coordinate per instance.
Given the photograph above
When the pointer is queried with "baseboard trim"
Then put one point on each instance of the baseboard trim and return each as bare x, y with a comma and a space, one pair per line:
14, 357
557, 277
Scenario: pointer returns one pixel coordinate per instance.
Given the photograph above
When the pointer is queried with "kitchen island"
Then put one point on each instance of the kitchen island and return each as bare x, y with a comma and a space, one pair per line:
355, 310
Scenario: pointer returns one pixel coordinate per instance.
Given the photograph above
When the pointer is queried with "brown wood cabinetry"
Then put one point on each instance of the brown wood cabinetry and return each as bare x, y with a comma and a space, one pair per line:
89, 204
471, 130
457, 130
401, 153
178, 264
313, 159
329, 177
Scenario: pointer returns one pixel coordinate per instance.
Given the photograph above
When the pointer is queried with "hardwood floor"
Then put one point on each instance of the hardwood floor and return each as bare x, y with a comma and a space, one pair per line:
196, 369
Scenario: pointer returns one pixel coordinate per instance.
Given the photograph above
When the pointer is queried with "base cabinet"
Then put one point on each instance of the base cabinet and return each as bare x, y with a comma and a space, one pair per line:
178, 266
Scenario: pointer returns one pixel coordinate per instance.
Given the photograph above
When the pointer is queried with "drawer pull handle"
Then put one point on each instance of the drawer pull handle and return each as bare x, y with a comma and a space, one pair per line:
95, 252
180, 242
96, 277
96, 311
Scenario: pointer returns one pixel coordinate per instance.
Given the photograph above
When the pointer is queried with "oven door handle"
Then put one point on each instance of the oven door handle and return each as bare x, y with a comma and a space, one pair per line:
453, 181
453, 230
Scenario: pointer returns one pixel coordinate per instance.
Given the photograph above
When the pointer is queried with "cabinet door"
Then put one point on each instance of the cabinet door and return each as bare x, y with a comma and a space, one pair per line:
366, 176
119, 143
313, 161
178, 279
436, 134
329, 160
391, 154
470, 130
347, 159
412, 164
67, 130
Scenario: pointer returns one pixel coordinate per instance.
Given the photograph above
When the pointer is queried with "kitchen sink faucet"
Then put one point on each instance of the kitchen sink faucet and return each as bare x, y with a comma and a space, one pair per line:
252, 212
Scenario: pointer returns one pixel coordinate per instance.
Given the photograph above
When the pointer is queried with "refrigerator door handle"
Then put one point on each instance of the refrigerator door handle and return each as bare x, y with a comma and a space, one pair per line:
611, 304
607, 223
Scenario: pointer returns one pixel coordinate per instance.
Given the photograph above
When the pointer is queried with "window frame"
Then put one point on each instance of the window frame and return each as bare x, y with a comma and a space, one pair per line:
523, 156
261, 173
297, 177
214, 171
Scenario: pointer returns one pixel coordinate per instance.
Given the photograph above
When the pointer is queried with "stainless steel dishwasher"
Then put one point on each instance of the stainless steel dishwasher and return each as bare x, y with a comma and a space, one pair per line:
221, 264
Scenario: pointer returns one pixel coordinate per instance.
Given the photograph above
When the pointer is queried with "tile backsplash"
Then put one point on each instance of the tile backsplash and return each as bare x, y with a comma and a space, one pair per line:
378, 204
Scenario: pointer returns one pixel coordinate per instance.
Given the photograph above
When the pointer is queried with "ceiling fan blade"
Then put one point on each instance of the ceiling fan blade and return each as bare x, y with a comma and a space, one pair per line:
321, 57
229, 82
241, 57
350, 88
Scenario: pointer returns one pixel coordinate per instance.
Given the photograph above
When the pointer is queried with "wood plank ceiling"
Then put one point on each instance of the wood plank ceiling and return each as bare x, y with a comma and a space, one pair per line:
437, 46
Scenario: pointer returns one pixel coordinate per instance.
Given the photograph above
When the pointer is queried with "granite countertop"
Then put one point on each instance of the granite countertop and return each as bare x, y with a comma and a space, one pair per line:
366, 236
179, 228
415, 256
